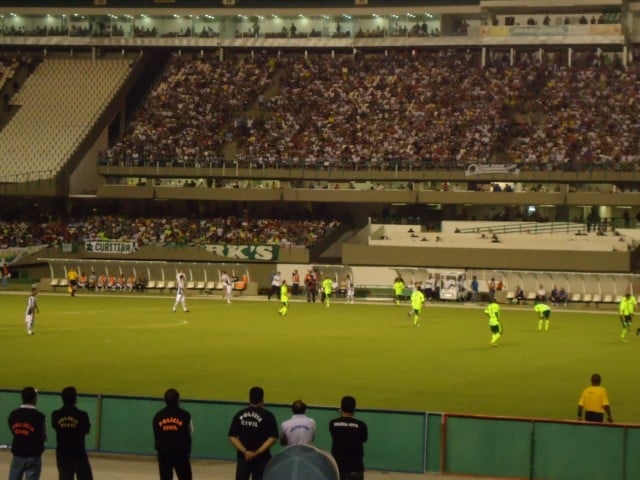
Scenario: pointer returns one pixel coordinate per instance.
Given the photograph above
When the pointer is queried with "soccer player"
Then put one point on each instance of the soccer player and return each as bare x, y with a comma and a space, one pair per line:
180, 292
32, 309
227, 286
627, 308
351, 290
544, 312
327, 288
417, 301
398, 287
284, 298
493, 312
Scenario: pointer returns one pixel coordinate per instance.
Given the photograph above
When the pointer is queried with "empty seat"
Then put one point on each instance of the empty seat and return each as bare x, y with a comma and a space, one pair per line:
576, 297
211, 285
171, 284
587, 298
597, 298
151, 284
199, 285
531, 296
191, 285
161, 284
607, 298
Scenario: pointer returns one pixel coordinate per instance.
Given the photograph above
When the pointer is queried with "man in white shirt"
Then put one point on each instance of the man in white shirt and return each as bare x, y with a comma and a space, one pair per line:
299, 429
276, 283
180, 292
227, 286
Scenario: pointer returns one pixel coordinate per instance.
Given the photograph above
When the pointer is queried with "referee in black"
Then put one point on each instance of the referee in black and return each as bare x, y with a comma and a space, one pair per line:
349, 436
172, 429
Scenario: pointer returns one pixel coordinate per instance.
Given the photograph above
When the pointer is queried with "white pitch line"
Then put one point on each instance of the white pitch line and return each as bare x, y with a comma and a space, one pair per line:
112, 327
104, 327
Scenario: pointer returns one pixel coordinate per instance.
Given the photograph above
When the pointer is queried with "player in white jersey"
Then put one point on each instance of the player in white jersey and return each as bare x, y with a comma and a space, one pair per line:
180, 292
227, 286
32, 309
351, 289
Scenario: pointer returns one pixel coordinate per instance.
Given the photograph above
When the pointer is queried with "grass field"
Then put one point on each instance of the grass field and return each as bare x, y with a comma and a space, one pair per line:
135, 345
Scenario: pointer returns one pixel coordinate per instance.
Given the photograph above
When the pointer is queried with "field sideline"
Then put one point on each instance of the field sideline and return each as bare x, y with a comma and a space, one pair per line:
134, 345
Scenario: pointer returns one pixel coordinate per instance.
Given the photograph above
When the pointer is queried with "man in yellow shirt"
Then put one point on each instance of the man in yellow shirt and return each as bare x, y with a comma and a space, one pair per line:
594, 402
493, 312
72, 277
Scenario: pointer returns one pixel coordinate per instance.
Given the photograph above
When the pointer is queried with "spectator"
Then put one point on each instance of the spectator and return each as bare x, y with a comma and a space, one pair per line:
302, 462
519, 296
541, 294
562, 296
299, 429
491, 287
474, 289
554, 296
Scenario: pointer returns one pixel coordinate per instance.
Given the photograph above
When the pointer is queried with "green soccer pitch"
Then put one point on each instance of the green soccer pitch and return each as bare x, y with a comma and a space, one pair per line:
132, 344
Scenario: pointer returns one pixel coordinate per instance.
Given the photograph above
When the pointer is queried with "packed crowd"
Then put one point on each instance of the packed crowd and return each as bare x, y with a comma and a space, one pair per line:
371, 110
585, 115
407, 110
184, 119
164, 231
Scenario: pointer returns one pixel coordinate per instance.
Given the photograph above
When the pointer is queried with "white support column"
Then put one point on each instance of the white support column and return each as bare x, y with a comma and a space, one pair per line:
483, 57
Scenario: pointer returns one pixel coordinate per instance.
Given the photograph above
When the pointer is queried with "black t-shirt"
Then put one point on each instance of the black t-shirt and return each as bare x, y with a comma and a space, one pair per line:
348, 435
253, 426
71, 426
29, 432
172, 430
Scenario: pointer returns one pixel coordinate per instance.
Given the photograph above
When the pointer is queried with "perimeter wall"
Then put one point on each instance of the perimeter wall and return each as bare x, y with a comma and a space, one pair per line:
398, 441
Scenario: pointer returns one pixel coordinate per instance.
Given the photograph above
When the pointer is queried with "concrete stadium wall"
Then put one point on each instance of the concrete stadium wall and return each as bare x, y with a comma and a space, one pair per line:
486, 258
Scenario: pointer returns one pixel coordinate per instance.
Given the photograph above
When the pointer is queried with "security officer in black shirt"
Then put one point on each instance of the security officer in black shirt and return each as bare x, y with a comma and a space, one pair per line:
349, 435
253, 432
71, 426
172, 430
28, 427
